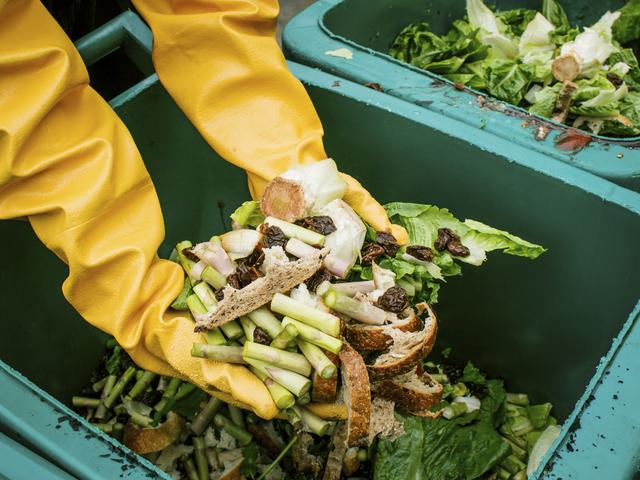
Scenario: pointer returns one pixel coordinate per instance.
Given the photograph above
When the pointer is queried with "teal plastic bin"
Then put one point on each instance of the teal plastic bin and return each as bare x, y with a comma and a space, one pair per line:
368, 28
563, 328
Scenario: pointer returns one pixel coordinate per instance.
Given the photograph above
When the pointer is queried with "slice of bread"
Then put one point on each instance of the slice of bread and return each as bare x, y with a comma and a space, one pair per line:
324, 389
147, 440
367, 338
411, 392
357, 395
333, 467
407, 349
279, 278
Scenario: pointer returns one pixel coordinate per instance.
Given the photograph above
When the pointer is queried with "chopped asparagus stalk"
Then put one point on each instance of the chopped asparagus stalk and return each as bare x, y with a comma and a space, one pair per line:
187, 264
266, 320
141, 384
232, 429
314, 423
320, 362
220, 353
363, 455
180, 303
213, 277
232, 330
521, 399
206, 295
236, 416
520, 425
101, 411
454, 410
299, 249
294, 362
513, 464
294, 231
140, 419
351, 288
213, 336
168, 395
502, 473
539, 414
441, 378
119, 387
282, 397
315, 336
184, 390
190, 468
248, 326
361, 311
521, 475
285, 337
459, 390
515, 410
85, 402
99, 385
326, 322
201, 458
203, 419
304, 399
294, 382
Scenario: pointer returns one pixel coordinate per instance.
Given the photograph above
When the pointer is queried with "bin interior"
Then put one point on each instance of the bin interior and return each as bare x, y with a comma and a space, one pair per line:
378, 25
542, 325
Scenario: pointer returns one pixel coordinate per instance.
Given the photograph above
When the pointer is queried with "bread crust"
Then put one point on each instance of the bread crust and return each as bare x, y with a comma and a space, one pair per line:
357, 392
324, 389
368, 338
409, 398
412, 357
147, 440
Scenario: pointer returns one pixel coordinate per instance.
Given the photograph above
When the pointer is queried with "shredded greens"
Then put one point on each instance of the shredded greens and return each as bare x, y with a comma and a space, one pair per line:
524, 57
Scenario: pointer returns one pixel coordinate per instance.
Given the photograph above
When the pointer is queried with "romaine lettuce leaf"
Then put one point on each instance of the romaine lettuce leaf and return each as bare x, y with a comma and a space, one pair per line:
509, 80
627, 27
516, 20
536, 38
493, 31
248, 214
554, 12
545, 100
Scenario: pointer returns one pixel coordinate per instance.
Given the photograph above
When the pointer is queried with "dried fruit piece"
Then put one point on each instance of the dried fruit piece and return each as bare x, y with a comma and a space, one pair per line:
188, 252
317, 278
273, 236
320, 224
256, 258
247, 274
394, 300
449, 240
220, 295
444, 237
388, 242
420, 252
371, 252
234, 281
456, 248
260, 336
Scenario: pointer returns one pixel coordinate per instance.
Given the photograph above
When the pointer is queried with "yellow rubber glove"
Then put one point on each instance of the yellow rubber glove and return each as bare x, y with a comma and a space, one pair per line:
220, 62
70, 166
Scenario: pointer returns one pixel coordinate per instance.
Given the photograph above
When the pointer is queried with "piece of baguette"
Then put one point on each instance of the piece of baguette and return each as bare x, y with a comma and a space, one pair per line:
279, 278
147, 440
407, 349
357, 395
411, 392
324, 389
368, 338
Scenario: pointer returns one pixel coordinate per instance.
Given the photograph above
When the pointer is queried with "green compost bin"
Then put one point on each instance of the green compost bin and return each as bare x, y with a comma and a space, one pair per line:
563, 328
367, 29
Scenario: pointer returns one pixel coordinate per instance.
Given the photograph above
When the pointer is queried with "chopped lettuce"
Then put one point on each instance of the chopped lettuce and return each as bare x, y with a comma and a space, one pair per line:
248, 214
510, 55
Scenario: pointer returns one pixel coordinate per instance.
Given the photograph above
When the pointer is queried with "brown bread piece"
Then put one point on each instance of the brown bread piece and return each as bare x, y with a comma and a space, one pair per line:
324, 389
407, 350
147, 440
333, 467
357, 395
368, 338
411, 392
279, 278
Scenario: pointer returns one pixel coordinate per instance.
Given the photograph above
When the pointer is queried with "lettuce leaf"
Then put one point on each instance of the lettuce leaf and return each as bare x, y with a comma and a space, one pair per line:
509, 80
248, 214
545, 100
493, 32
516, 20
627, 27
554, 12
440, 450
536, 38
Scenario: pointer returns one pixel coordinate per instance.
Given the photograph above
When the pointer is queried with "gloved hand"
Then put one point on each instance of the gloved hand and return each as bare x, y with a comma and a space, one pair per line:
220, 62
70, 166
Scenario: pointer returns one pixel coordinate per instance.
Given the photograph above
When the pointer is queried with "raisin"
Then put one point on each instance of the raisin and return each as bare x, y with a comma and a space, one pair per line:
453, 372
444, 237
614, 79
188, 252
371, 252
322, 224
256, 258
394, 300
477, 390
388, 242
247, 274
273, 236
234, 281
458, 249
317, 278
420, 252
220, 295
260, 336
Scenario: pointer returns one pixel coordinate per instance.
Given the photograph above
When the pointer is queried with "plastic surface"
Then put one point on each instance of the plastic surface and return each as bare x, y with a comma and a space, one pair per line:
20, 462
328, 25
